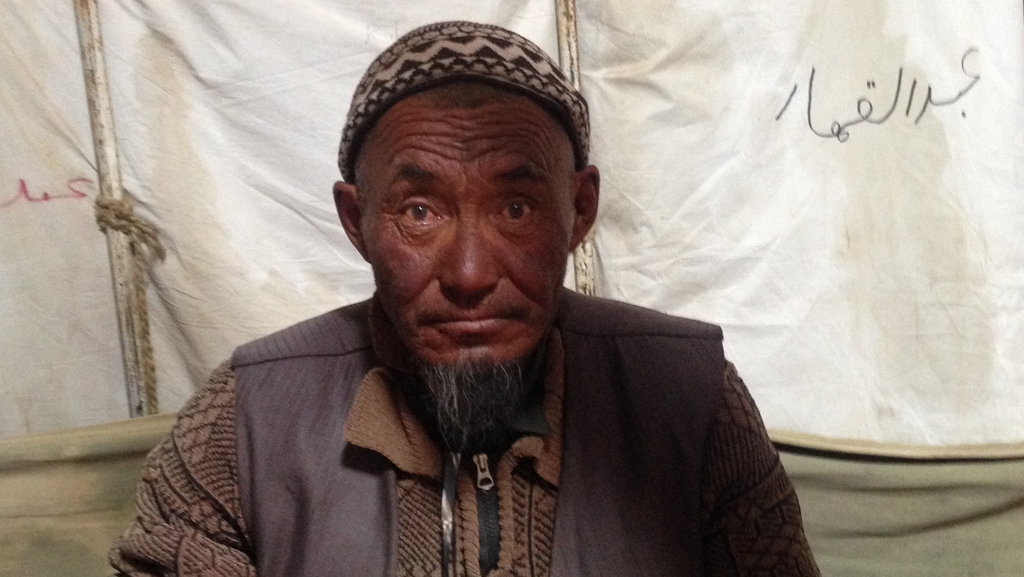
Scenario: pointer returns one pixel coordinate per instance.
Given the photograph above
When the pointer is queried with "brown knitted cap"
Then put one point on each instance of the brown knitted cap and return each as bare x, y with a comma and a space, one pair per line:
448, 51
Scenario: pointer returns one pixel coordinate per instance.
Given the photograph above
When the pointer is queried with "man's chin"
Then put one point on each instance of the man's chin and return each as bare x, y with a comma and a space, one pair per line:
471, 403
477, 354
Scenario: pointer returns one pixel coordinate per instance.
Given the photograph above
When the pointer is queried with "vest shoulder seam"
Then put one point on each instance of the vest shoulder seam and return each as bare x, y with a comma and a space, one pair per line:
274, 358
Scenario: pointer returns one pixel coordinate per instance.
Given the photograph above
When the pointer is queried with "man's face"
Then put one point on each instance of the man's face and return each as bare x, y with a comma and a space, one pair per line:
467, 214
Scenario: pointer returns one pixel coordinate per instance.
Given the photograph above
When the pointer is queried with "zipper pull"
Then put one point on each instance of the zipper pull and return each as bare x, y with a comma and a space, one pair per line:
484, 480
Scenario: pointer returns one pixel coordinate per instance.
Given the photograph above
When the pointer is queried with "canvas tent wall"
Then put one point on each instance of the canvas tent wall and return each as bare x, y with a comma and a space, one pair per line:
836, 184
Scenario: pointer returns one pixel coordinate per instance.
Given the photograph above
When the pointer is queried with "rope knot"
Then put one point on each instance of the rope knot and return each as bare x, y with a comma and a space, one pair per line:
118, 214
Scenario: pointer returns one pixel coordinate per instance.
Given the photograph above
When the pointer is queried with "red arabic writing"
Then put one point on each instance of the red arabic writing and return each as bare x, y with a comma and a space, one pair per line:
72, 190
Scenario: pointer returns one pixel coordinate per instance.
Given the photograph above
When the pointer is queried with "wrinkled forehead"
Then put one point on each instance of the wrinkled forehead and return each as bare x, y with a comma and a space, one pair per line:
472, 118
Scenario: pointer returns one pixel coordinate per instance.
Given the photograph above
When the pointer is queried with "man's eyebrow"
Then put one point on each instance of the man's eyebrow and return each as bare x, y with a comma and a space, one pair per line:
522, 172
414, 173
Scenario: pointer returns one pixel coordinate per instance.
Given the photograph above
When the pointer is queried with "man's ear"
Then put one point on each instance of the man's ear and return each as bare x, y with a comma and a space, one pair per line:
346, 201
588, 188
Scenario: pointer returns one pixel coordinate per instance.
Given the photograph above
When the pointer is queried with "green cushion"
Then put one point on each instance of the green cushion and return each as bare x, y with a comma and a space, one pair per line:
65, 496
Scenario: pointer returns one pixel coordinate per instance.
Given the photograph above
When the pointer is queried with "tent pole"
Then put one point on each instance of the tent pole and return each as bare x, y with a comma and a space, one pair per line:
120, 248
584, 258
568, 46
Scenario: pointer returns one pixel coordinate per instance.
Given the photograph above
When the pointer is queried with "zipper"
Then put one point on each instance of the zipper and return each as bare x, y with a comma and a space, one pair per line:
487, 514
484, 480
448, 498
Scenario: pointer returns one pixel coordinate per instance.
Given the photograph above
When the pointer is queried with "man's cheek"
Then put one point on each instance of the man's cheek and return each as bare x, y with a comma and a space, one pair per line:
403, 273
539, 266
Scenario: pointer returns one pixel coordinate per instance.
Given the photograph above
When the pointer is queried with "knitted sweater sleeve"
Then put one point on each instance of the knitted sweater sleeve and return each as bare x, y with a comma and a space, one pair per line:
188, 514
750, 510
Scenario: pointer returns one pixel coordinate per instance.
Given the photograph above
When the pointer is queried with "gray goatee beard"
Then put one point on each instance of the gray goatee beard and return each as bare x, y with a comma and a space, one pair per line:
473, 404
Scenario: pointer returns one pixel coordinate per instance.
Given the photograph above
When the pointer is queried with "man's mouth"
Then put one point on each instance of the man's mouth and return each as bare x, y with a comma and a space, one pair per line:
470, 324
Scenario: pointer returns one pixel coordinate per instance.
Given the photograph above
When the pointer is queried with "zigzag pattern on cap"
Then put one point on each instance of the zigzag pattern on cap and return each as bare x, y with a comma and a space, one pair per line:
432, 54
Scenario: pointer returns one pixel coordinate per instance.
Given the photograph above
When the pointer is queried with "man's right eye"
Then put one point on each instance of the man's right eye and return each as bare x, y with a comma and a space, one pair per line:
420, 214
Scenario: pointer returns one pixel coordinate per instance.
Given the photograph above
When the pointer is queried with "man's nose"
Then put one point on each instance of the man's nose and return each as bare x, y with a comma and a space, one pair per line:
469, 270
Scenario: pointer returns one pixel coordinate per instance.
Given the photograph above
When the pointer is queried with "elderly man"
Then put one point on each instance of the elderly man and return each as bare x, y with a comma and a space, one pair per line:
473, 418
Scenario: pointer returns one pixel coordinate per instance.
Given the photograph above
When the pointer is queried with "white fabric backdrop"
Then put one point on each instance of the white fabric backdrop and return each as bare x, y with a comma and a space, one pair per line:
60, 360
870, 288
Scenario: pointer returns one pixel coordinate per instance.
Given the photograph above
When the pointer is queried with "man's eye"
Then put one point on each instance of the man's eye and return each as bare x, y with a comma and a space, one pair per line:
418, 212
517, 210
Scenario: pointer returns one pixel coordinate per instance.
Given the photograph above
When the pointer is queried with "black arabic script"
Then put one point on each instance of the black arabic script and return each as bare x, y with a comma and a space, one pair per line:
865, 108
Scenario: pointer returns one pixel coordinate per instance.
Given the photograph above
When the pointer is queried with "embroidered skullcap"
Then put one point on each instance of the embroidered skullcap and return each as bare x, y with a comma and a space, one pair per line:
449, 51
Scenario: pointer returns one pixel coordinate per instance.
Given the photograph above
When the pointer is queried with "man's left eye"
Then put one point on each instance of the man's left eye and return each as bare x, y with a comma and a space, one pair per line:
419, 212
516, 210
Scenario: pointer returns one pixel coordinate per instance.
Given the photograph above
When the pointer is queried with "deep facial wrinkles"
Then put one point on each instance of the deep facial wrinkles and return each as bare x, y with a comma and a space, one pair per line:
462, 274
466, 137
